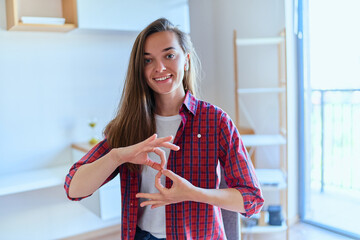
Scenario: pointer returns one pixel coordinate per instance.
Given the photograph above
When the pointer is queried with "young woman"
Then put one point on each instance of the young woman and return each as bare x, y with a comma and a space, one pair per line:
169, 185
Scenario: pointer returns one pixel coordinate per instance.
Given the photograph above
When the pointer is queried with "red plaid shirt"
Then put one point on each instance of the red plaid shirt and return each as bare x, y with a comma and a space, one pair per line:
206, 137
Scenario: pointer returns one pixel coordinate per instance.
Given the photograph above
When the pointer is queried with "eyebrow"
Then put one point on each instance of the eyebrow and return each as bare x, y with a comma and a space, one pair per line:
164, 50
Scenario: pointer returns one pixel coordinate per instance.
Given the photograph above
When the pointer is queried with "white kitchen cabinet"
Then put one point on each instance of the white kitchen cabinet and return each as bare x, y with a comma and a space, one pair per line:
118, 15
131, 15
106, 201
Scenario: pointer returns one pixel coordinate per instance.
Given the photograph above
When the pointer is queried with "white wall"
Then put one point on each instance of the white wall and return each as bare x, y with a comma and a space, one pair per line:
51, 84
212, 24
202, 36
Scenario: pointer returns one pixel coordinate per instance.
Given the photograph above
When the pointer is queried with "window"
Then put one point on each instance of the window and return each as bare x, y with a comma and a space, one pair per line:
330, 99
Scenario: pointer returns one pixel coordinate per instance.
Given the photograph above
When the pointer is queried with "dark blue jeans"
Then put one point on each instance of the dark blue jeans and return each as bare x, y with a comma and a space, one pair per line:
144, 235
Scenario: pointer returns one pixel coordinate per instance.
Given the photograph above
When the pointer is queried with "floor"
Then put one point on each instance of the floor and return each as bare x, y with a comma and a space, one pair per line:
335, 208
299, 231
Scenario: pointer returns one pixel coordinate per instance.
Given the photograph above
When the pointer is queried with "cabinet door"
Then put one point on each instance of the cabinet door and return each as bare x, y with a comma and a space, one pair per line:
131, 15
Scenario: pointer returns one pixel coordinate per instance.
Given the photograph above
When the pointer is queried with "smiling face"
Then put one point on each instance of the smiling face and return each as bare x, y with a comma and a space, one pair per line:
165, 62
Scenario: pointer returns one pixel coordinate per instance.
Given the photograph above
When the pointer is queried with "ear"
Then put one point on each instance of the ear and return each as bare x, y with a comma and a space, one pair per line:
187, 58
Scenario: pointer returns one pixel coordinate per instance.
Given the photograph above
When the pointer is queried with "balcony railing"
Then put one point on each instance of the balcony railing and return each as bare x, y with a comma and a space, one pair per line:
335, 139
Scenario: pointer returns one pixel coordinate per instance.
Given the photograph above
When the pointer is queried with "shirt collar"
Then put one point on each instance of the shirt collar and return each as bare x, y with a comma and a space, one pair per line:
189, 104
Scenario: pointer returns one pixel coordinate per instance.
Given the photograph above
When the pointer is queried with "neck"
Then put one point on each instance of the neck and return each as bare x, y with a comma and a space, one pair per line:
169, 104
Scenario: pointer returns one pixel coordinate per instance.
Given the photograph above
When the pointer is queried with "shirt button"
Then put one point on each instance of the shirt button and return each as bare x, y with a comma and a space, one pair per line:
199, 135
131, 204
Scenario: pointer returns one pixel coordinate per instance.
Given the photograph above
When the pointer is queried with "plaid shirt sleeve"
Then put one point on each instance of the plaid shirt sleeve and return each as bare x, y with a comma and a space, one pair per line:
238, 169
98, 151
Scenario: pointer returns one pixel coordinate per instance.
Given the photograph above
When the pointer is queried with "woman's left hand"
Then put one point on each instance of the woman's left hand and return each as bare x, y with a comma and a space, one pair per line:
180, 191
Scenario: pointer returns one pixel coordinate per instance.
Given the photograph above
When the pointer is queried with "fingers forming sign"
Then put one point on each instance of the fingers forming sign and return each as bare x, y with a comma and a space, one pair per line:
181, 190
138, 153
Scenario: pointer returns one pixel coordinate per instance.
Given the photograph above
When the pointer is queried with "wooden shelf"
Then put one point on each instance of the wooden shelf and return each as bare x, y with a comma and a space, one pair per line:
261, 90
264, 229
273, 102
15, 9
263, 140
43, 27
271, 179
259, 41
33, 180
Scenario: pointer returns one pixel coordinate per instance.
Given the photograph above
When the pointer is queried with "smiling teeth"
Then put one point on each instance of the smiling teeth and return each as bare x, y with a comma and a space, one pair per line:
162, 79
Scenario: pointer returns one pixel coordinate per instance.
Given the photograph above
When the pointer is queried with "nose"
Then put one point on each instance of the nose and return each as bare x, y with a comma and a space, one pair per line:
160, 66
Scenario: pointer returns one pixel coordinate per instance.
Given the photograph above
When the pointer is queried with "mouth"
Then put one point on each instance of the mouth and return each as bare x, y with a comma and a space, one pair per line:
159, 79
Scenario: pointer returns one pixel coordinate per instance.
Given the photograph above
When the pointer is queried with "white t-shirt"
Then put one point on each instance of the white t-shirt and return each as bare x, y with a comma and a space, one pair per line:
154, 220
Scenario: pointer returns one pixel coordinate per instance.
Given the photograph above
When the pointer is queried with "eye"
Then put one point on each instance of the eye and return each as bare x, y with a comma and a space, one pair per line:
171, 55
147, 60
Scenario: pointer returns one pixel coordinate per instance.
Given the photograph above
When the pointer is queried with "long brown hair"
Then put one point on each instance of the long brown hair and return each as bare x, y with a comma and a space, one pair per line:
135, 121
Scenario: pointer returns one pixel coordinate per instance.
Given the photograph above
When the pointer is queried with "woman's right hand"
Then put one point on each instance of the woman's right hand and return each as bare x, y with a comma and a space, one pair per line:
138, 153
